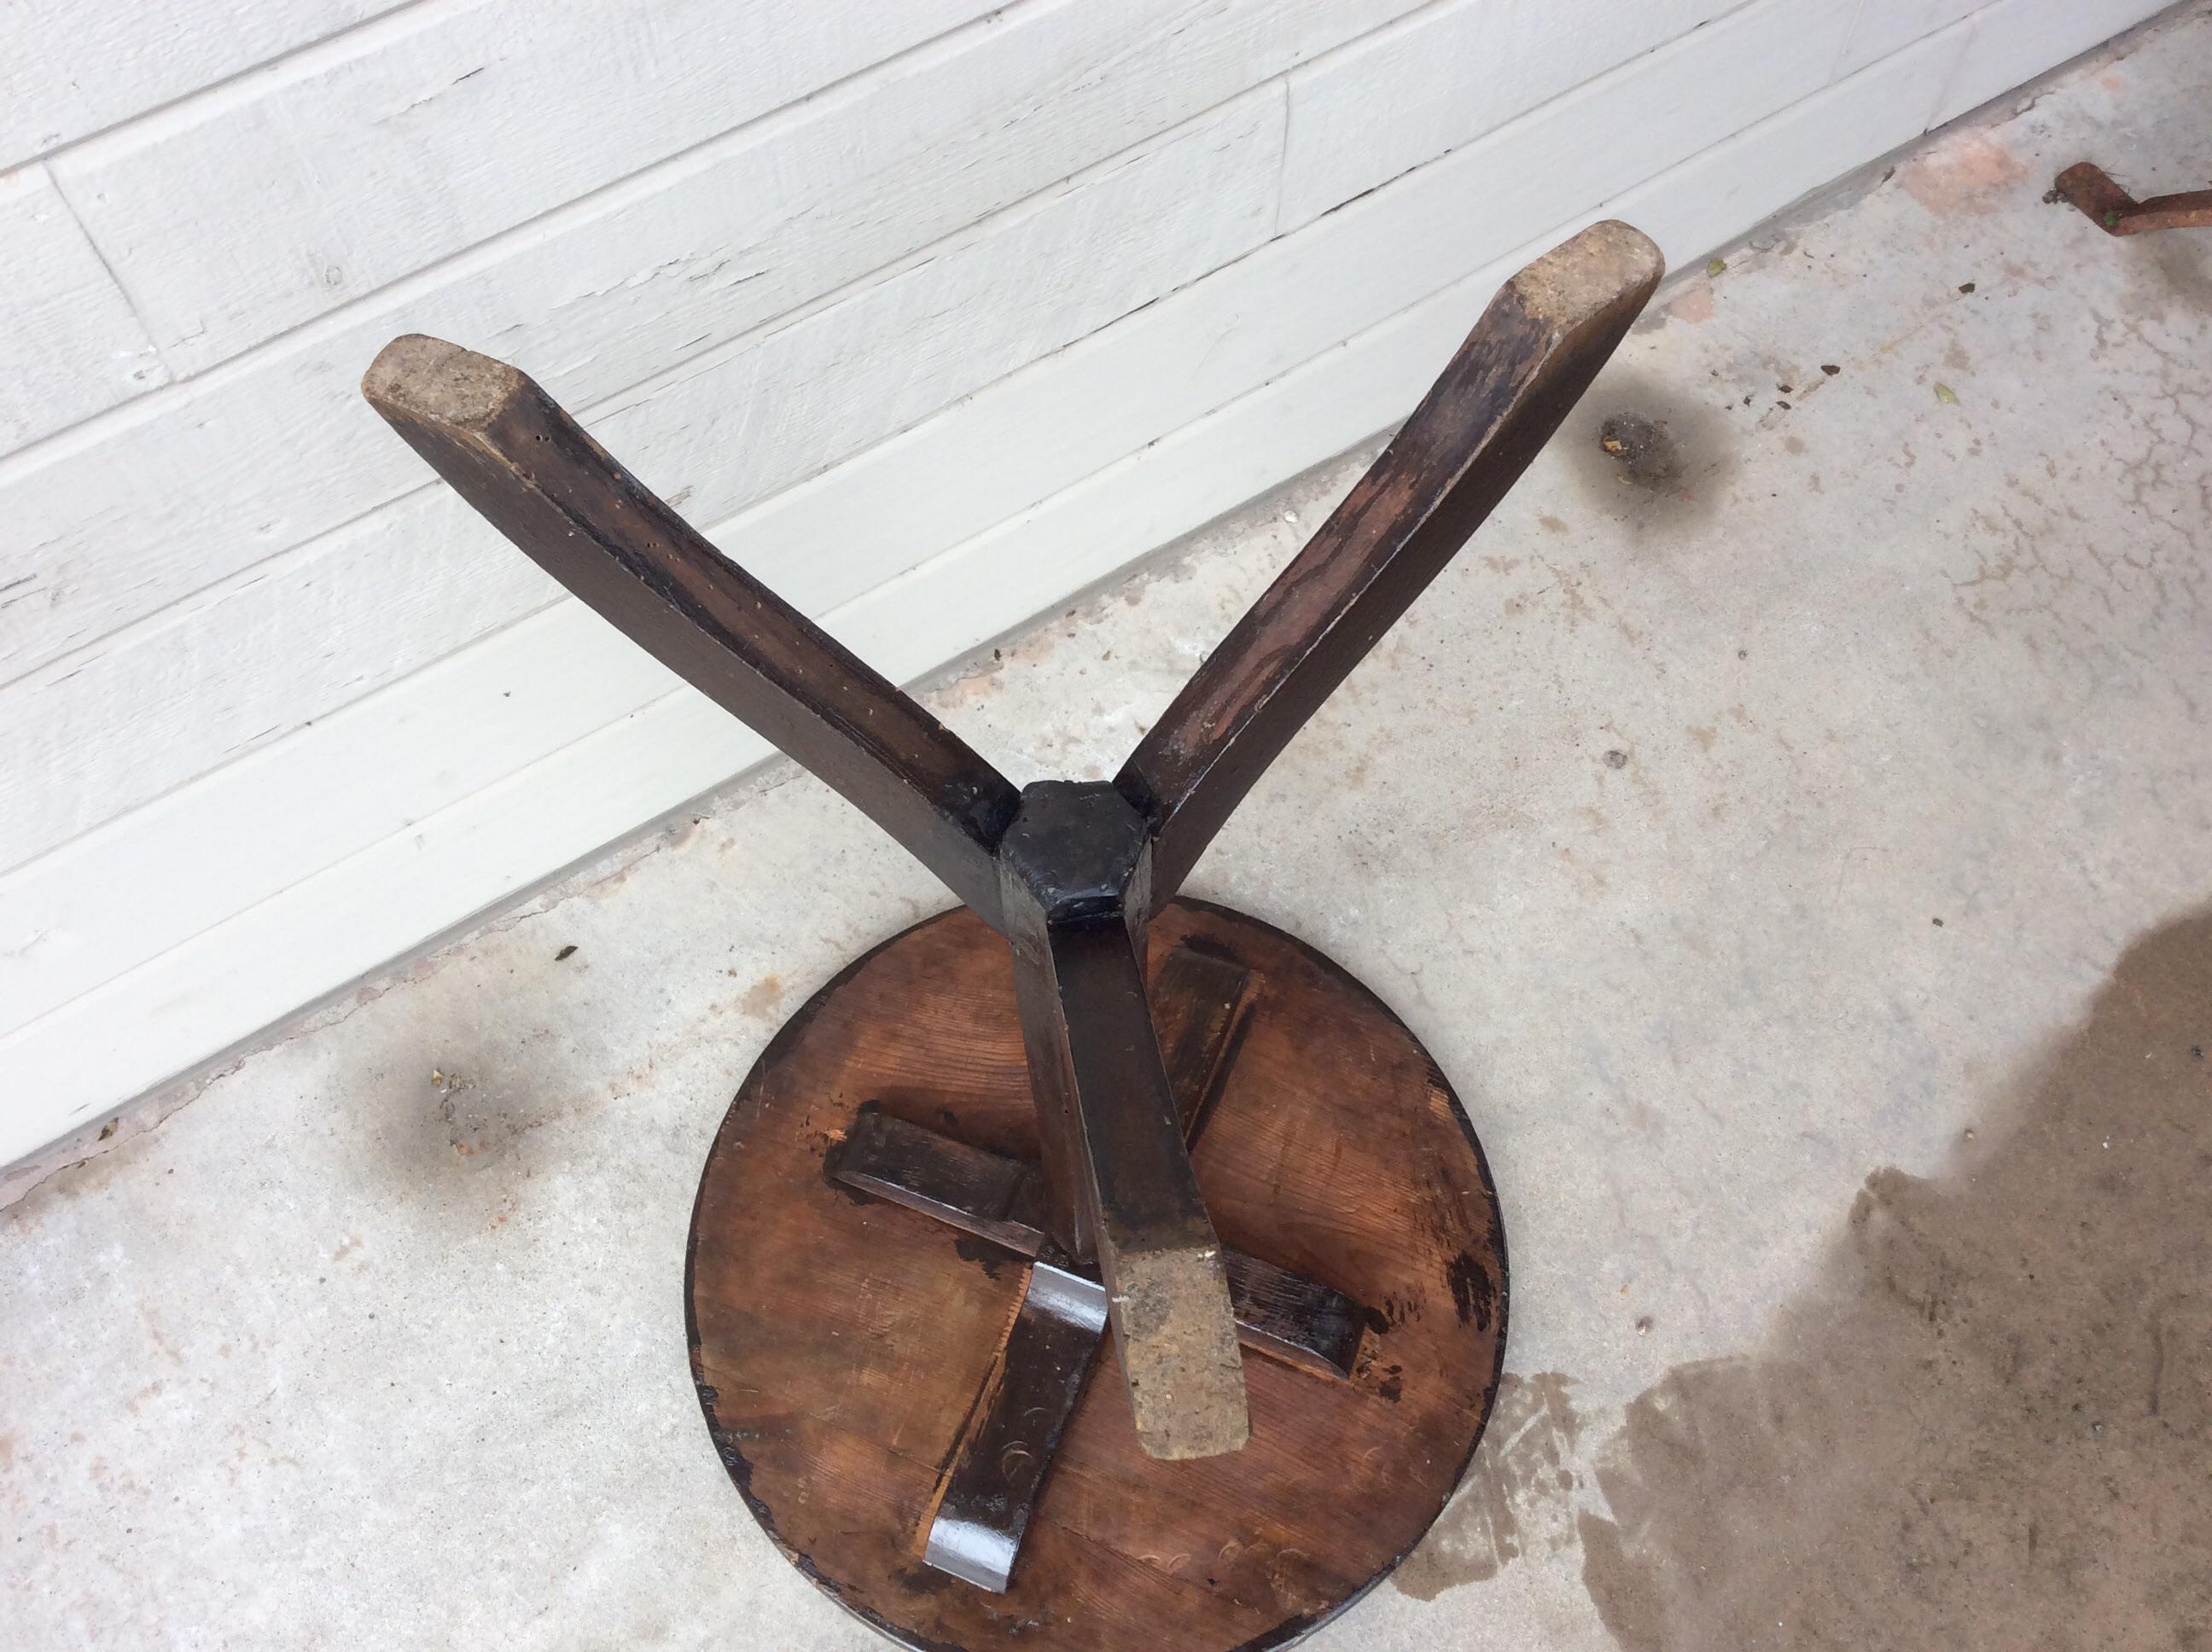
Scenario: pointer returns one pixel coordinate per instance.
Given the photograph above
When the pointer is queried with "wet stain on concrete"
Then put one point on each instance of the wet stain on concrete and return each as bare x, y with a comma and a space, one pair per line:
450, 1105
2168, 271
1989, 1425
1646, 455
763, 998
1973, 172
1694, 308
1513, 1501
1643, 449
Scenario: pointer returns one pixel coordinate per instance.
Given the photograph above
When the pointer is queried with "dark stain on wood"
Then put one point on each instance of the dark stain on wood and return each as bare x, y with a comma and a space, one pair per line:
988, 1257
1472, 1292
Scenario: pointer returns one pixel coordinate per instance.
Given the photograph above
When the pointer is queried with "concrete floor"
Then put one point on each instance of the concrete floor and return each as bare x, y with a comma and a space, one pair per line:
1793, 843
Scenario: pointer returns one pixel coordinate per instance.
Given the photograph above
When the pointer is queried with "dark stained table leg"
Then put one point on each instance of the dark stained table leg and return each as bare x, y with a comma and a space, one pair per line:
1076, 862
1167, 1285
1527, 362
508, 448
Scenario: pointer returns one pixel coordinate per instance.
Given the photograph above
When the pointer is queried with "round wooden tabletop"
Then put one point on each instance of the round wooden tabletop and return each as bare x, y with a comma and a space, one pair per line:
840, 1343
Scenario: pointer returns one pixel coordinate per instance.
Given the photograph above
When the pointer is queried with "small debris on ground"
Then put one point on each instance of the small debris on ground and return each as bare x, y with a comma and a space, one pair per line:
1965, 286
1715, 266
565, 953
1830, 368
1616, 759
1646, 453
1948, 396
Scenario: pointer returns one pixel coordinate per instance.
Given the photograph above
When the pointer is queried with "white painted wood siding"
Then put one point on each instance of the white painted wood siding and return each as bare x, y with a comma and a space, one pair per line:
931, 314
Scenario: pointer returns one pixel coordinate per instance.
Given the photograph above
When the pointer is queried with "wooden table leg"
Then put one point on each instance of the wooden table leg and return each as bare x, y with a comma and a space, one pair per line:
1527, 362
510, 449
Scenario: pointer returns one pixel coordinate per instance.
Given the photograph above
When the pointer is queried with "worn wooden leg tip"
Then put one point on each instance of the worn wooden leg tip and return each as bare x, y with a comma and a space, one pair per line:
900, 1398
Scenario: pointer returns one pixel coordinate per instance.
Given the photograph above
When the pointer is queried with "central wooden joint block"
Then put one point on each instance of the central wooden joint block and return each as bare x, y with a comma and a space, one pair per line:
1075, 866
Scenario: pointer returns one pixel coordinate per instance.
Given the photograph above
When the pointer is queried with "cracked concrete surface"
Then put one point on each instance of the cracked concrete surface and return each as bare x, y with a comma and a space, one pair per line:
1786, 825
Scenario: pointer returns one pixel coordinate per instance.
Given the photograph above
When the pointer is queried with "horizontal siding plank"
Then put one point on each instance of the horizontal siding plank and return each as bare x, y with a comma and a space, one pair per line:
689, 436
1447, 75
466, 858
313, 937
192, 485
185, 863
67, 70
71, 345
241, 216
140, 713
2016, 39
1886, 25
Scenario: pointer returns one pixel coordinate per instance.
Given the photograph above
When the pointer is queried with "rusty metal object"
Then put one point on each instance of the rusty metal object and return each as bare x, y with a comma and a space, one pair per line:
2116, 212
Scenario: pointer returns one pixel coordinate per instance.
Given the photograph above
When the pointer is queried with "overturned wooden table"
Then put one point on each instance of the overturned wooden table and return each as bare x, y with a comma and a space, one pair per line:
1077, 1111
